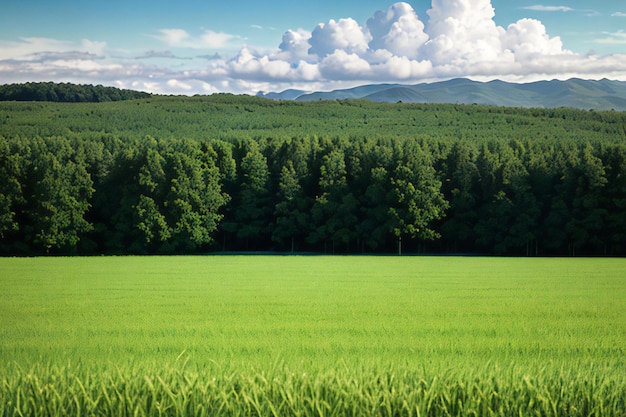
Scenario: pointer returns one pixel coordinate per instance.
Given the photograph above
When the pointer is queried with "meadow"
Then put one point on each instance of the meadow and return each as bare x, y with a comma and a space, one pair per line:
312, 335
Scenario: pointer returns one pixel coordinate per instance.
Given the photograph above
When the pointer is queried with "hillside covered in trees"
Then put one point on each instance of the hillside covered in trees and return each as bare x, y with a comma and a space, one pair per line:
238, 173
66, 93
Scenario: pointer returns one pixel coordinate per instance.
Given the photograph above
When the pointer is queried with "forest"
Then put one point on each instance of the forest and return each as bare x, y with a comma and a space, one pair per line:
66, 93
226, 173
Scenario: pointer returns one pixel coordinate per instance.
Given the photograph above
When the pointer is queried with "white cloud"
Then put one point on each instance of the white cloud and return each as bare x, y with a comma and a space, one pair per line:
613, 38
97, 48
178, 85
345, 35
295, 45
564, 9
619, 14
253, 66
171, 86
397, 30
209, 39
342, 65
247, 65
30, 46
528, 38
462, 32
403, 68
173, 37
541, 8
215, 40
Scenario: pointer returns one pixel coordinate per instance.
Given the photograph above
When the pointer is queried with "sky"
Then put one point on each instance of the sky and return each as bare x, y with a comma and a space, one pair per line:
246, 46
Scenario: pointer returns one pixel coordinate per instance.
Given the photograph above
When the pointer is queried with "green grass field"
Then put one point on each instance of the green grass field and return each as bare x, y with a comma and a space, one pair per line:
272, 335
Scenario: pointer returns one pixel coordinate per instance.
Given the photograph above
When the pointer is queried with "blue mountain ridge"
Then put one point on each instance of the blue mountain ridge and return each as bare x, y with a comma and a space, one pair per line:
575, 93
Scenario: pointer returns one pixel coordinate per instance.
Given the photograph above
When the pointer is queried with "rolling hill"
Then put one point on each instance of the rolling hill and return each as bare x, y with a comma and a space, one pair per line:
576, 93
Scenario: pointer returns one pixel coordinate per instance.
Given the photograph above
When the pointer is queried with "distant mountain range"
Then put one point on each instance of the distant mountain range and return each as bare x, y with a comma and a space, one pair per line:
576, 93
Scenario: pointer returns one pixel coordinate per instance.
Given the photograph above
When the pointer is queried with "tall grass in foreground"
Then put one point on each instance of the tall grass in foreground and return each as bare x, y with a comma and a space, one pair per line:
59, 391
312, 336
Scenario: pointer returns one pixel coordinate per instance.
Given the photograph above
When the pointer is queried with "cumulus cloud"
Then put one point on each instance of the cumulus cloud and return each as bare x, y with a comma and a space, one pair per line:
341, 65
397, 30
459, 38
247, 65
346, 36
250, 66
619, 14
295, 45
528, 38
463, 32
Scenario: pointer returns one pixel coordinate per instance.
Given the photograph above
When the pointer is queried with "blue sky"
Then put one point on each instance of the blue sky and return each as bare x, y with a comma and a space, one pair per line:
244, 46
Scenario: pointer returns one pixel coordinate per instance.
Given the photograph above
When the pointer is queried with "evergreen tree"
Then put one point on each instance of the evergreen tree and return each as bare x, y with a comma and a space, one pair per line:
614, 199
334, 211
252, 212
461, 189
588, 214
292, 208
377, 223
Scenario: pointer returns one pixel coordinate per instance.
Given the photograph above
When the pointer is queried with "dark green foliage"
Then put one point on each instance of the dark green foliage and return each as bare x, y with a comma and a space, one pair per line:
252, 203
66, 93
334, 210
191, 174
292, 209
46, 195
161, 197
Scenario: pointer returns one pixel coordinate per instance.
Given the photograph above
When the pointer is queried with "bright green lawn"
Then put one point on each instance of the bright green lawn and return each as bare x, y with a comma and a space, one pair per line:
460, 319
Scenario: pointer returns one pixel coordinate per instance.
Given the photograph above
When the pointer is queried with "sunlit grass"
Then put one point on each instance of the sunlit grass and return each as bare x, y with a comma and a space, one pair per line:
313, 335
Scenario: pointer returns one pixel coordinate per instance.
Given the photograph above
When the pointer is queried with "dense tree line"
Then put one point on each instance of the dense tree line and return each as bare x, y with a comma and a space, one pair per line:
190, 175
66, 93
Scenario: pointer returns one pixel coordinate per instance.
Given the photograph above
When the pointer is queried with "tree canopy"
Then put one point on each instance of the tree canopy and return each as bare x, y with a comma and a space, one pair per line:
66, 93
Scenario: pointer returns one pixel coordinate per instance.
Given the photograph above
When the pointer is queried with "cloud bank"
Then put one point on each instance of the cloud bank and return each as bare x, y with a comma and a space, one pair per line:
457, 38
